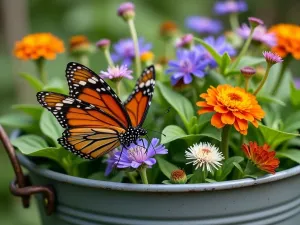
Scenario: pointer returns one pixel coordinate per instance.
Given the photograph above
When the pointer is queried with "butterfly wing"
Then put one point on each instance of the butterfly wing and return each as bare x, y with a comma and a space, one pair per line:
90, 132
86, 85
139, 101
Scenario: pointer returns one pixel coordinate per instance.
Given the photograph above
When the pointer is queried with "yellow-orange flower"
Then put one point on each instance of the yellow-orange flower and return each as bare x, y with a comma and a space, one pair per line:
288, 40
261, 156
232, 106
147, 56
80, 45
168, 29
39, 45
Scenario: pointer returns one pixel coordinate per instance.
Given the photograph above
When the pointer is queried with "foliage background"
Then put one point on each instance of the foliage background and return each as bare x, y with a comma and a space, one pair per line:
96, 19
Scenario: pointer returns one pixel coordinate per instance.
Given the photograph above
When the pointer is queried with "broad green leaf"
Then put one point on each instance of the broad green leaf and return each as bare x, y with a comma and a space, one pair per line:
173, 132
29, 144
250, 61
199, 176
217, 57
275, 137
20, 121
238, 166
292, 122
33, 110
56, 85
166, 167
228, 166
210, 180
225, 62
292, 154
270, 99
294, 95
50, 126
34, 82
182, 105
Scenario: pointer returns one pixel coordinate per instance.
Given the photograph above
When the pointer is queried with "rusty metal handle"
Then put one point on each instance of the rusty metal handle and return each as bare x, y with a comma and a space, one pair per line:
21, 186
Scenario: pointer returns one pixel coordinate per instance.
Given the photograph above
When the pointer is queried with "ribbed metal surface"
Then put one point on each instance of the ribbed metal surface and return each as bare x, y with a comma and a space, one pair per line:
272, 200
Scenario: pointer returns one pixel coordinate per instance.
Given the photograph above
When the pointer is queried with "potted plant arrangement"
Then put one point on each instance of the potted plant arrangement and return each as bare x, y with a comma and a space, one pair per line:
218, 145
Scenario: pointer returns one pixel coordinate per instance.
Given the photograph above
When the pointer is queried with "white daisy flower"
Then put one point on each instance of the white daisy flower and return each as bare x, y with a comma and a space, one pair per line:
204, 156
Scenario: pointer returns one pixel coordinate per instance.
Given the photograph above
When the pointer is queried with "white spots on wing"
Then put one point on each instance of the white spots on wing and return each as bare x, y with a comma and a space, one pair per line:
79, 67
103, 89
102, 81
95, 79
82, 82
142, 85
148, 83
98, 89
68, 101
58, 108
76, 85
92, 81
59, 104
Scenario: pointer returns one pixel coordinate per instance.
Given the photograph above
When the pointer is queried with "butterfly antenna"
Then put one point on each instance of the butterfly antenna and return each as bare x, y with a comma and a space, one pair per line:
157, 132
148, 139
166, 112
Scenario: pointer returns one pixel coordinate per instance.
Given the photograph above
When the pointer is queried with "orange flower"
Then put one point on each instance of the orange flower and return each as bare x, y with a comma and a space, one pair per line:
261, 156
147, 56
39, 45
232, 105
168, 29
288, 40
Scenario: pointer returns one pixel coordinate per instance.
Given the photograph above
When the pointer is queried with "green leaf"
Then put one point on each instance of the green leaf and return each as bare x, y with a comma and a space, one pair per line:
292, 122
50, 126
29, 144
238, 166
228, 166
34, 82
245, 61
166, 167
56, 85
225, 62
173, 132
32, 110
294, 95
20, 121
270, 99
292, 154
210, 180
166, 182
211, 50
275, 137
182, 105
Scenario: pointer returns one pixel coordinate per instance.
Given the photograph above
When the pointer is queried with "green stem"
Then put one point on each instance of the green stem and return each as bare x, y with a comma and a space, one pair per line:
143, 173
246, 83
284, 65
136, 46
131, 177
108, 57
264, 79
225, 141
244, 49
234, 21
118, 87
40, 65
84, 60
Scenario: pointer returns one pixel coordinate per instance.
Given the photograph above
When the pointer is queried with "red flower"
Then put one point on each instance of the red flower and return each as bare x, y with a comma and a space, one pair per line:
261, 156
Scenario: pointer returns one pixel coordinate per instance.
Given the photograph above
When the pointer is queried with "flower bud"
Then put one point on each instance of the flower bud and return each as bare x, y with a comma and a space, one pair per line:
185, 41
254, 22
178, 177
126, 11
248, 71
147, 57
272, 58
80, 45
168, 29
103, 44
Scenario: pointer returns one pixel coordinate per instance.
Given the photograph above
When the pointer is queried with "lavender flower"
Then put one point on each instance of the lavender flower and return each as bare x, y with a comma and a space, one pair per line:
117, 72
230, 6
272, 58
185, 41
103, 43
203, 25
188, 63
260, 34
254, 22
248, 71
139, 154
126, 10
220, 45
124, 50
111, 161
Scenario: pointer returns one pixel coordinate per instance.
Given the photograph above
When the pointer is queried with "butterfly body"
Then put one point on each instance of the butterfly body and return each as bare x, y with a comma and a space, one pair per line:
94, 118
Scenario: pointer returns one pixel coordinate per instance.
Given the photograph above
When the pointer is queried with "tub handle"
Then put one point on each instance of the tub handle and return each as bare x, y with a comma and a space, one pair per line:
21, 185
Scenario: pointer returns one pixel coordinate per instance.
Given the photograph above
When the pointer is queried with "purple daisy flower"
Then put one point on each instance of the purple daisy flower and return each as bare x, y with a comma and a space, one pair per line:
203, 25
117, 72
219, 44
124, 50
111, 160
260, 34
230, 6
187, 64
272, 58
139, 154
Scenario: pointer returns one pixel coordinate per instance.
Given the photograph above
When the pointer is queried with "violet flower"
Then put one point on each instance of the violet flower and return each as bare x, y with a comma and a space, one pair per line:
124, 50
203, 25
272, 58
230, 6
260, 35
110, 161
188, 63
117, 72
141, 153
219, 44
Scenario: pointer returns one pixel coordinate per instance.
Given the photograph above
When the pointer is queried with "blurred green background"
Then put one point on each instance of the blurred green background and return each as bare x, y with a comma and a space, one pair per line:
95, 19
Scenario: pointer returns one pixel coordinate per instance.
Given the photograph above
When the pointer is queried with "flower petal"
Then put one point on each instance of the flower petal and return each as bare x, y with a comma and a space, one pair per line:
216, 121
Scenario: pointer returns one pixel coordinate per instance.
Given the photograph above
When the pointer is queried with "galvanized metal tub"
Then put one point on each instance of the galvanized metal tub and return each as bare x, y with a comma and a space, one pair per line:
273, 199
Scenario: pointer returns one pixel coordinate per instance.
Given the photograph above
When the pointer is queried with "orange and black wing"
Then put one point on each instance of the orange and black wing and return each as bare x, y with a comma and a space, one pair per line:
139, 101
90, 132
86, 85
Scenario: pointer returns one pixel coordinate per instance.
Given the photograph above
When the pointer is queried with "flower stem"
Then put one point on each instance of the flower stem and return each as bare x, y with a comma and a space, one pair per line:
225, 141
131, 177
284, 65
40, 65
118, 87
234, 21
246, 83
263, 80
108, 57
143, 173
244, 49
136, 46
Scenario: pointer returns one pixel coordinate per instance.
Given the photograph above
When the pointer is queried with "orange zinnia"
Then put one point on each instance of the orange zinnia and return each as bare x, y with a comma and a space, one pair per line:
233, 106
261, 156
39, 45
288, 40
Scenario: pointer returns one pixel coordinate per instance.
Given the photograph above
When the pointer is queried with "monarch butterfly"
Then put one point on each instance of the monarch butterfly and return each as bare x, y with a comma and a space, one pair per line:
94, 118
